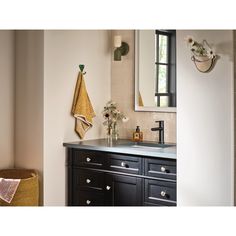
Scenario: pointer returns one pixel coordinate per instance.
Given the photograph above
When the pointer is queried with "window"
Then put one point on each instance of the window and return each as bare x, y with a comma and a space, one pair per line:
165, 56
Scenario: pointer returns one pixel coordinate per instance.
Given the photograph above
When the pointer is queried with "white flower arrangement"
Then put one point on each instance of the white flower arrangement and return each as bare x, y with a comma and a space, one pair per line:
112, 115
199, 49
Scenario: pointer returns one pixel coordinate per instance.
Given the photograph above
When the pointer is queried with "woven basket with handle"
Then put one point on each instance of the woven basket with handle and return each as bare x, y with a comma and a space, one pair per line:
27, 193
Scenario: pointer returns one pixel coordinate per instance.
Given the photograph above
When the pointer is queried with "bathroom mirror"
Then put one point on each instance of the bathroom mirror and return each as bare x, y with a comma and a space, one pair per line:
155, 70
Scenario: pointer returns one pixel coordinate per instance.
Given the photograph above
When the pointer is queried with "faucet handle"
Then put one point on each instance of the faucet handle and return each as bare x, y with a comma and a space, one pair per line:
161, 123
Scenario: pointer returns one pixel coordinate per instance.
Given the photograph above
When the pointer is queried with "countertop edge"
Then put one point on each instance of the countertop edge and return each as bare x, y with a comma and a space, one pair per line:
123, 150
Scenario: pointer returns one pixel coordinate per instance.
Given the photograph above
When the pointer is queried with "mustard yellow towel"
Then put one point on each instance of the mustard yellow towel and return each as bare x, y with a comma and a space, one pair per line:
82, 108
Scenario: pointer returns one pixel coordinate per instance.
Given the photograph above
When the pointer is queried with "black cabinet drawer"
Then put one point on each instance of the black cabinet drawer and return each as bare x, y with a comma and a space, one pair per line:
90, 159
88, 180
84, 198
160, 192
160, 168
126, 164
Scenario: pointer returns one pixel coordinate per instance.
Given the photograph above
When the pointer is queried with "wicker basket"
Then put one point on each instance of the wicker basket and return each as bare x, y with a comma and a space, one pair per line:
27, 193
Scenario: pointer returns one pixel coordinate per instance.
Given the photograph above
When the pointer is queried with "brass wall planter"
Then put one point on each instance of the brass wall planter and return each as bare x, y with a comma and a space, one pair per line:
203, 56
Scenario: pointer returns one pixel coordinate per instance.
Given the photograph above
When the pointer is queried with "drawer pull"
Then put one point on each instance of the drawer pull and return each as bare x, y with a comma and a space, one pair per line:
163, 193
163, 169
108, 187
88, 202
88, 181
123, 164
88, 159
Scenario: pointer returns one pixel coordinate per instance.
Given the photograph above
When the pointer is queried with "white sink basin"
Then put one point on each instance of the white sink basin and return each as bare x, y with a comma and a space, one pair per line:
147, 146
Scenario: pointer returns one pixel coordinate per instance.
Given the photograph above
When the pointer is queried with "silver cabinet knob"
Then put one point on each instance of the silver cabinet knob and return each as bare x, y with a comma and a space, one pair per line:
108, 187
123, 164
163, 193
88, 159
163, 169
88, 202
88, 181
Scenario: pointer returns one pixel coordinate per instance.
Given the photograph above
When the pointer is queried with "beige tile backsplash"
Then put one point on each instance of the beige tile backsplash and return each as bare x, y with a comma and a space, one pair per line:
122, 92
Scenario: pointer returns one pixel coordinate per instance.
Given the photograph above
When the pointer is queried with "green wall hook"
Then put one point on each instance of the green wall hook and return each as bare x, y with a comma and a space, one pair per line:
81, 67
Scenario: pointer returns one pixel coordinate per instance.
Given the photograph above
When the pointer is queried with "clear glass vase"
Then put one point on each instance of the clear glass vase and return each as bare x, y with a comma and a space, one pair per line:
112, 132
115, 132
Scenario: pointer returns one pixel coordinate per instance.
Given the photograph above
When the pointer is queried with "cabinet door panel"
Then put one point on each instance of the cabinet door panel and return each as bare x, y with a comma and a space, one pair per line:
123, 190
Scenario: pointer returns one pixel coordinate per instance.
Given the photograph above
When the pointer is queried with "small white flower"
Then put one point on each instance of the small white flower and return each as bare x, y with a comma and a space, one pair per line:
210, 52
125, 119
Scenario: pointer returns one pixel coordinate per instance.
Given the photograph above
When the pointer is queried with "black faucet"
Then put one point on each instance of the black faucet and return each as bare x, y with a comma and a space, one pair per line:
161, 131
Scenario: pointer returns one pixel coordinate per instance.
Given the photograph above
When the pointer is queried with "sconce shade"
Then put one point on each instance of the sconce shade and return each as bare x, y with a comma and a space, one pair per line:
117, 55
121, 51
117, 41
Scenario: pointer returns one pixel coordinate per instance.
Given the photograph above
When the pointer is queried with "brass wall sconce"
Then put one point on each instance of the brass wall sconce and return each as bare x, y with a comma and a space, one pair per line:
121, 48
202, 55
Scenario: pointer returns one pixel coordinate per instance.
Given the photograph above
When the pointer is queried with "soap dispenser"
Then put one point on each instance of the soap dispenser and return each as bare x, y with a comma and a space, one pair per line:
138, 135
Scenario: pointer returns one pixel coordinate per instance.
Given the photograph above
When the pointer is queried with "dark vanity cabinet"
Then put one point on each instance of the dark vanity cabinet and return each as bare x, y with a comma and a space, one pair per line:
97, 178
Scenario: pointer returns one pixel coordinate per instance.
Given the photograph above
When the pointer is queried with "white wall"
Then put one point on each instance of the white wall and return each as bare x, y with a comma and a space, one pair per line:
29, 101
63, 52
205, 124
7, 77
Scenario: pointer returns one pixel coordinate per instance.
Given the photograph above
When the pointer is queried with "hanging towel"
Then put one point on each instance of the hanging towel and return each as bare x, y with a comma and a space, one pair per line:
82, 108
8, 189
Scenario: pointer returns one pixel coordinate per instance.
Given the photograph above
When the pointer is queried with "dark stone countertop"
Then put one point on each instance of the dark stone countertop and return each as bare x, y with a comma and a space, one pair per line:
125, 146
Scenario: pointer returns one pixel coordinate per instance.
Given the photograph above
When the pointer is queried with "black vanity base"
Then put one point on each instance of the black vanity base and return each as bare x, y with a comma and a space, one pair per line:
97, 178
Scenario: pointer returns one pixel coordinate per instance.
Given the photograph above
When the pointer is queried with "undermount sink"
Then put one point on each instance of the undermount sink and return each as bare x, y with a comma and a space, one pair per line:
149, 146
